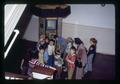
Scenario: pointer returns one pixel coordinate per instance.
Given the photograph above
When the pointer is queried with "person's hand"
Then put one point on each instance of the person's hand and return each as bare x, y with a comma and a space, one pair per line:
65, 69
21, 68
30, 78
45, 62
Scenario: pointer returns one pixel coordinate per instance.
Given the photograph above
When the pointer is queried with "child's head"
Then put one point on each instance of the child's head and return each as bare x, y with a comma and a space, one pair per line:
93, 41
69, 39
55, 37
78, 41
46, 39
51, 42
72, 50
41, 50
42, 36
70, 44
42, 41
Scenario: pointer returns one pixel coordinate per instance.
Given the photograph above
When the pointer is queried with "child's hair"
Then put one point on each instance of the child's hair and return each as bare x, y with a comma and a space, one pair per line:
42, 48
47, 37
69, 39
73, 48
52, 40
78, 41
93, 40
57, 51
55, 36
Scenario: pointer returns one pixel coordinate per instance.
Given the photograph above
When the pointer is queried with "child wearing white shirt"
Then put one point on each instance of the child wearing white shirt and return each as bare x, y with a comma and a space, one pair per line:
51, 53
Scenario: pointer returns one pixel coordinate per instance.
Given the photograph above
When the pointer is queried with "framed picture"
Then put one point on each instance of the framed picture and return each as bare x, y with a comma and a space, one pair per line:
51, 24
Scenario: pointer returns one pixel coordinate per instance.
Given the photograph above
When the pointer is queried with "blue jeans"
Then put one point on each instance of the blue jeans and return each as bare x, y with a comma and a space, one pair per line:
51, 60
89, 63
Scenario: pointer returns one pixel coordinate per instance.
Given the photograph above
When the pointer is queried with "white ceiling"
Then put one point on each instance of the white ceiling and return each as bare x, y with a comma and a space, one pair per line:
92, 15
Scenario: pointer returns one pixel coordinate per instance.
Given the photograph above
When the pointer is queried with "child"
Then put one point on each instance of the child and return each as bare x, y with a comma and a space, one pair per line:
41, 42
70, 60
58, 60
58, 65
40, 55
91, 54
67, 50
51, 52
69, 45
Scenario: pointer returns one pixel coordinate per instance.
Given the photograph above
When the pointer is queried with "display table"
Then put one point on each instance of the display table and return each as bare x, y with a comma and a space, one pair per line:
41, 71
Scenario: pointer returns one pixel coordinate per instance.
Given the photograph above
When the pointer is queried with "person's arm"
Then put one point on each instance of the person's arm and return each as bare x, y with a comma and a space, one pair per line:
69, 61
22, 64
66, 58
80, 52
58, 46
38, 54
91, 50
54, 50
72, 60
38, 45
49, 49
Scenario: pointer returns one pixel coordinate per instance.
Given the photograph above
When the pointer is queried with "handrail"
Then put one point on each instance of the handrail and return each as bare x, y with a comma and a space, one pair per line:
10, 45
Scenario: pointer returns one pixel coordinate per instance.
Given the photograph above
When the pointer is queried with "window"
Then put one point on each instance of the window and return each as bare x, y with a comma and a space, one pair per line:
51, 24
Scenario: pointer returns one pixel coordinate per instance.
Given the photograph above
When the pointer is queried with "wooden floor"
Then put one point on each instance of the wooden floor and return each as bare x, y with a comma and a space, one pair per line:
103, 67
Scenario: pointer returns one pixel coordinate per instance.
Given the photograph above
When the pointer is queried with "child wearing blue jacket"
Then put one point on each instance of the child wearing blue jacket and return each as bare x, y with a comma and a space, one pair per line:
91, 54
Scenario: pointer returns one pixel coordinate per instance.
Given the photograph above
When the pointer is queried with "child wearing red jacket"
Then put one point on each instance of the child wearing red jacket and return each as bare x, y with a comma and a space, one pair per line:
70, 58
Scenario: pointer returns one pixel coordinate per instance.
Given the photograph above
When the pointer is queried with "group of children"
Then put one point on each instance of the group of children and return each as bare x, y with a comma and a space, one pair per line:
68, 53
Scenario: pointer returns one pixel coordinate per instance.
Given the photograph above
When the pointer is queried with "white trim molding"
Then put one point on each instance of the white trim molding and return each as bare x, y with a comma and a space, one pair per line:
10, 45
